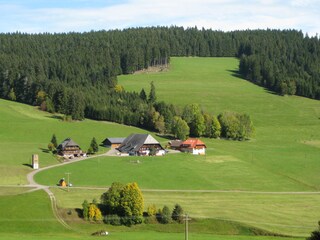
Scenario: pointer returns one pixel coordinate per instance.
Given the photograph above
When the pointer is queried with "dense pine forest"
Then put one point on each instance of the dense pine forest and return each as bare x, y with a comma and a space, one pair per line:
76, 73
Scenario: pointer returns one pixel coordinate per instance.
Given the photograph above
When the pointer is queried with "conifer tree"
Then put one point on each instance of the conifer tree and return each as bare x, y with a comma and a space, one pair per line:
94, 145
177, 213
152, 95
143, 95
54, 141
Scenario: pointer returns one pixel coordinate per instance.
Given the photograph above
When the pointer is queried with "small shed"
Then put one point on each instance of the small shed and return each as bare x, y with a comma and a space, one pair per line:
112, 142
62, 183
35, 161
175, 144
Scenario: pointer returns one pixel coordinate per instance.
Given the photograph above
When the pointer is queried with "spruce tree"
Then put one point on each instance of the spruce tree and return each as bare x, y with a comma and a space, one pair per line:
143, 95
177, 214
152, 94
54, 141
94, 145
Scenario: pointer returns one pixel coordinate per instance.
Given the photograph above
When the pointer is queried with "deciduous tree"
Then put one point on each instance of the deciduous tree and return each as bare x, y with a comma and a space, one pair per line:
180, 128
131, 204
111, 198
85, 209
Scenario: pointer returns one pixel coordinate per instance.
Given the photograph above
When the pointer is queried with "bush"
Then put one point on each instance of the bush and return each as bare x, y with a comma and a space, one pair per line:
315, 235
164, 215
150, 219
114, 220
152, 210
51, 147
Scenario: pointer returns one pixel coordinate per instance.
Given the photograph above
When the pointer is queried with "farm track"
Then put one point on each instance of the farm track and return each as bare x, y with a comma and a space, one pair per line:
35, 187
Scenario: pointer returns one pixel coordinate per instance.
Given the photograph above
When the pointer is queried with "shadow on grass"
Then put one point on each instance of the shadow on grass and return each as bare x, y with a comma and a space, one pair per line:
237, 74
55, 117
79, 212
27, 165
44, 150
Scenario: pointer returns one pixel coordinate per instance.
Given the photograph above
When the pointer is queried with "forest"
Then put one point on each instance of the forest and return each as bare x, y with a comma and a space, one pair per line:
76, 73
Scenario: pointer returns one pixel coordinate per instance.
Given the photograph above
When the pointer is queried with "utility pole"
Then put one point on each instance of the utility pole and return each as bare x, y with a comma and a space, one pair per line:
68, 183
186, 219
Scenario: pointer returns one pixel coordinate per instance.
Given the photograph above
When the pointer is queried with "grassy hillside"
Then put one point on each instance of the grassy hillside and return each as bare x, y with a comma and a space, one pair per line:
24, 131
287, 128
29, 215
282, 156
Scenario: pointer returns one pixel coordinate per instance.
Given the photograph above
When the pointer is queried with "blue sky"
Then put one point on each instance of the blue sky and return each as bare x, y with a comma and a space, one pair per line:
36, 16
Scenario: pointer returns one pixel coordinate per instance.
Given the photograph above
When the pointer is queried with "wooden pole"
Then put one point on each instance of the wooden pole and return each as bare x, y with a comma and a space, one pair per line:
186, 236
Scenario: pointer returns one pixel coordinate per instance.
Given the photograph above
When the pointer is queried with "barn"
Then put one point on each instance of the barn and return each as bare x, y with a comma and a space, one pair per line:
141, 145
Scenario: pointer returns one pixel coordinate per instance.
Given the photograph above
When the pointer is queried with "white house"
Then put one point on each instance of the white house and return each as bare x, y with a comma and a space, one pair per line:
194, 146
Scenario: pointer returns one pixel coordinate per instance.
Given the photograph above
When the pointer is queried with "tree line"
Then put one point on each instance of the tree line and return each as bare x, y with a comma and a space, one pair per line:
76, 73
285, 62
124, 205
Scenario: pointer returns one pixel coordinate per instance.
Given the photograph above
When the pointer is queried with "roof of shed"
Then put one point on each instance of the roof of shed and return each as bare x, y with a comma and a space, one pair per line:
113, 140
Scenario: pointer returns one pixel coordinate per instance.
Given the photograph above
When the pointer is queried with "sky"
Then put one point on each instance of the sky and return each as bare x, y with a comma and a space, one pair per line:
39, 16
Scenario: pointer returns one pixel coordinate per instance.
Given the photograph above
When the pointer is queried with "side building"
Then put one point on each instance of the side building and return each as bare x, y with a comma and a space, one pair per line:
112, 142
141, 145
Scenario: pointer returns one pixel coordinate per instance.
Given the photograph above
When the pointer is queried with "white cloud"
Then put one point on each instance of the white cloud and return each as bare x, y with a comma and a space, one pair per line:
216, 14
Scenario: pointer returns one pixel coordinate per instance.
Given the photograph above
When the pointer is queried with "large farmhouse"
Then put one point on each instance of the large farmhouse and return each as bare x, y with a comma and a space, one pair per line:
68, 148
194, 146
141, 145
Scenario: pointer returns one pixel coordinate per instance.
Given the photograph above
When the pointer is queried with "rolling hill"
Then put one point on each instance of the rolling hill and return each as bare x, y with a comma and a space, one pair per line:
271, 181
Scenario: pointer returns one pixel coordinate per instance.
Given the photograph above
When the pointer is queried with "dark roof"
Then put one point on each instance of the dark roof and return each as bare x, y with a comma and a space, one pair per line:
68, 142
135, 141
175, 143
113, 140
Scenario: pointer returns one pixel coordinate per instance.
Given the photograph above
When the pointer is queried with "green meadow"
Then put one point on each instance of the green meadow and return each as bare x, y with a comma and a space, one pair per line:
25, 131
283, 156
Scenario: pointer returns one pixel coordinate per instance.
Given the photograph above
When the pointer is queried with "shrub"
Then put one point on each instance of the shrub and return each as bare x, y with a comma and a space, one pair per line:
164, 215
51, 147
113, 219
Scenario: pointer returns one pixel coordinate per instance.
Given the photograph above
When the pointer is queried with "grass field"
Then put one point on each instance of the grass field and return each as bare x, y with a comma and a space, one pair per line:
29, 216
282, 156
282, 123
24, 131
294, 215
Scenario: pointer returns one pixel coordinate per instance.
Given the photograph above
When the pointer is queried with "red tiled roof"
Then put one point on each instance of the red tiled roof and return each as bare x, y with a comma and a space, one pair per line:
193, 143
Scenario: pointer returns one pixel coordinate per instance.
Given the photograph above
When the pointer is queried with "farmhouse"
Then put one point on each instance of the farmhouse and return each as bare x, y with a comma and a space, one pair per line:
68, 148
112, 142
141, 145
194, 146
